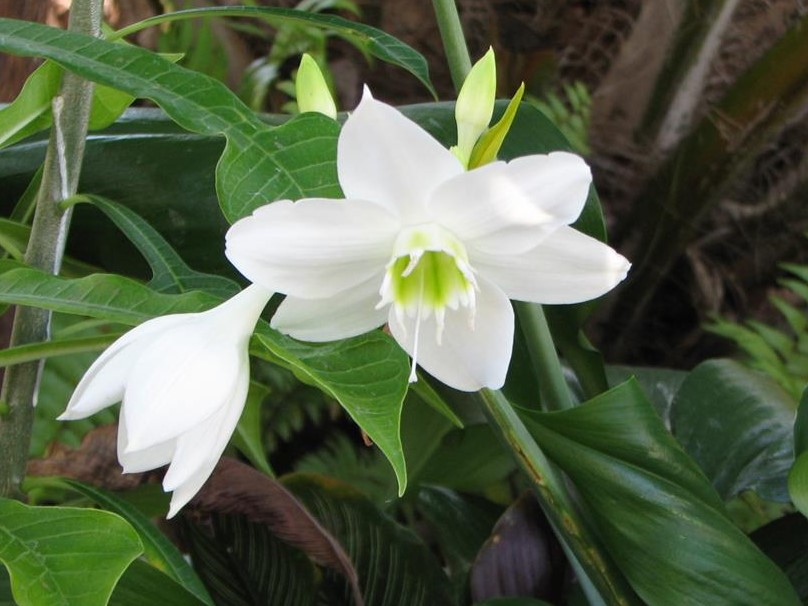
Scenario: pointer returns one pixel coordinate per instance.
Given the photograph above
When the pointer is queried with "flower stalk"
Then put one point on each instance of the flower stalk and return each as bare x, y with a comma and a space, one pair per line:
555, 394
578, 540
71, 111
454, 42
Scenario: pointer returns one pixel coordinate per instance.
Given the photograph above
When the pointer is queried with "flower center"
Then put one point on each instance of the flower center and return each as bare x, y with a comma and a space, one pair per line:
428, 272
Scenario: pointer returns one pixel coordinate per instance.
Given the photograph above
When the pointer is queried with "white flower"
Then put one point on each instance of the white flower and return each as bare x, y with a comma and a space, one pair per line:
183, 382
431, 249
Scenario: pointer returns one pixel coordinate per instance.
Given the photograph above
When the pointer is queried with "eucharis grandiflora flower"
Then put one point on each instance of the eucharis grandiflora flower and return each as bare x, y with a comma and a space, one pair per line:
429, 248
183, 382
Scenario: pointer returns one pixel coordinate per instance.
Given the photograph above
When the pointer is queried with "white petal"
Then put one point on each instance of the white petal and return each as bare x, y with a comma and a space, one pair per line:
199, 450
468, 358
345, 315
104, 382
509, 208
142, 460
183, 378
313, 248
567, 267
384, 157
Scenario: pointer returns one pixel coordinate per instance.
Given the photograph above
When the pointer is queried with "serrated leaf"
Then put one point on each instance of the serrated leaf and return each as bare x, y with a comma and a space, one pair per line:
49, 550
737, 424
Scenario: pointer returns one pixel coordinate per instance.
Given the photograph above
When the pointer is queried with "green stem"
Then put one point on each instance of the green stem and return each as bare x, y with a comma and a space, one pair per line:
454, 42
552, 386
577, 538
71, 110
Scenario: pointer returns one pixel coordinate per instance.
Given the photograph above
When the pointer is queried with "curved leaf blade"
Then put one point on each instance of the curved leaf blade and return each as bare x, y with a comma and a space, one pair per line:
158, 550
376, 42
737, 424
658, 516
48, 551
261, 164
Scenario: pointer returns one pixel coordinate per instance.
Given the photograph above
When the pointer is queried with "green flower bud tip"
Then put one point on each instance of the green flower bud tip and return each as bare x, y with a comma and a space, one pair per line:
475, 105
311, 89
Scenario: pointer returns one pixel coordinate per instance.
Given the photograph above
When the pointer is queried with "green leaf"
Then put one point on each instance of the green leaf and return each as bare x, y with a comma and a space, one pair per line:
469, 460
367, 375
142, 584
659, 385
376, 42
658, 516
109, 297
785, 541
461, 522
737, 424
248, 435
394, 566
158, 551
260, 163
798, 483
58, 347
244, 564
30, 112
63, 556
170, 273
798, 476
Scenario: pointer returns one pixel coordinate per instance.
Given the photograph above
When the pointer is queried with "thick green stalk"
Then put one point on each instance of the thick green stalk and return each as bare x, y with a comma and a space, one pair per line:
71, 110
454, 42
555, 501
555, 395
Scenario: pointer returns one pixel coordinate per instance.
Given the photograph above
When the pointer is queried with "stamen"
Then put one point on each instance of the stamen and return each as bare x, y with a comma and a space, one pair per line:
417, 335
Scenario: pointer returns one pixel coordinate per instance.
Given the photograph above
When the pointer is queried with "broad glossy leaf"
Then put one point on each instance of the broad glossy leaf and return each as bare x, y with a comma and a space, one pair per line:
394, 566
372, 40
737, 424
659, 384
142, 584
160, 553
49, 551
260, 164
658, 516
366, 374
